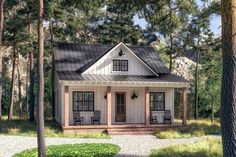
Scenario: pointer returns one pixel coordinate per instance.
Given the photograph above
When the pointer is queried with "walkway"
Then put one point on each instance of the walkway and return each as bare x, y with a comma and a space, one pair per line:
131, 146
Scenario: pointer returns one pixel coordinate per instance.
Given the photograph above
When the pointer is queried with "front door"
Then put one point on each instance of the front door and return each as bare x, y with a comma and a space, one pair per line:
120, 107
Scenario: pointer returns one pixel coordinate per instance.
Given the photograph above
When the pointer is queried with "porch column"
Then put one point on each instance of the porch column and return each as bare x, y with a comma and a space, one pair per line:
109, 103
184, 105
66, 106
147, 106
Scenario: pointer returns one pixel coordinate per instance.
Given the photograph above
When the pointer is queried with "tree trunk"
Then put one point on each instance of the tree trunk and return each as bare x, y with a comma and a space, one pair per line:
40, 100
196, 82
52, 71
19, 89
31, 73
1, 53
228, 89
171, 52
31, 103
10, 113
26, 88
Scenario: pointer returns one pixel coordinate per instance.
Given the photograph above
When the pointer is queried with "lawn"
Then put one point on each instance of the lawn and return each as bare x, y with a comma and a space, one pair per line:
195, 128
73, 150
52, 129
206, 148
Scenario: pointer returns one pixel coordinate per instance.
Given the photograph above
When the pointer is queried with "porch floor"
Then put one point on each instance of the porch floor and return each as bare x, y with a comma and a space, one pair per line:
122, 128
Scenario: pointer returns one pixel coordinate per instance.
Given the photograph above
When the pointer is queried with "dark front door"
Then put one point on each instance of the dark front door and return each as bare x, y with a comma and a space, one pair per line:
120, 107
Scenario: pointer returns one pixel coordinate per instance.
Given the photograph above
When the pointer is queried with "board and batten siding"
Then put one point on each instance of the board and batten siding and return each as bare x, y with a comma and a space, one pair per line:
135, 108
59, 95
100, 103
169, 103
104, 65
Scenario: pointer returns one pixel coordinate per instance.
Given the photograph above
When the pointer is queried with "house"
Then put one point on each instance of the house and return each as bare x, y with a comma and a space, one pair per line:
129, 86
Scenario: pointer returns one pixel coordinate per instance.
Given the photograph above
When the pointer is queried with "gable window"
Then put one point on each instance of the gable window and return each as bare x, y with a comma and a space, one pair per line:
83, 101
157, 101
120, 65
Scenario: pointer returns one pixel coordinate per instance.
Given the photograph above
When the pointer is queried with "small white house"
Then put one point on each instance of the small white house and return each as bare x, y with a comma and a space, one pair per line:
100, 87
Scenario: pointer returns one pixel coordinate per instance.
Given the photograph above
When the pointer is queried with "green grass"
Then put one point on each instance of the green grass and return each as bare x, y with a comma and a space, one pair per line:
195, 128
206, 148
73, 150
52, 129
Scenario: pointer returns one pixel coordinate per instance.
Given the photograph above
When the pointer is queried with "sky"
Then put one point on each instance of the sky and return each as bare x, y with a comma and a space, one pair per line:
215, 23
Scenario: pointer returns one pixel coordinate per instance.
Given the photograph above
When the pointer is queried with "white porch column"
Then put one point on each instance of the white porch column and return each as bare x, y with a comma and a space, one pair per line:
147, 107
109, 104
66, 106
184, 106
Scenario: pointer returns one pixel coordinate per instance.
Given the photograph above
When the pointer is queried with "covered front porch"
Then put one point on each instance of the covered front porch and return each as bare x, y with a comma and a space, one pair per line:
137, 112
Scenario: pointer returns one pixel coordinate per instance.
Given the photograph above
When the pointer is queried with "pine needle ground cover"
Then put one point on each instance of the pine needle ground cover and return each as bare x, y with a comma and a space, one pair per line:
195, 128
73, 150
206, 148
52, 129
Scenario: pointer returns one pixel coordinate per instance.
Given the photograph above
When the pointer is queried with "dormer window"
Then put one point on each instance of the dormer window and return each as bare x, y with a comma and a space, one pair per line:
120, 65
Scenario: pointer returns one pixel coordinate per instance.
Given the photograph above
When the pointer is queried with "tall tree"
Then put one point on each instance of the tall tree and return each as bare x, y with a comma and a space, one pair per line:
1, 53
40, 76
10, 113
170, 18
118, 25
228, 92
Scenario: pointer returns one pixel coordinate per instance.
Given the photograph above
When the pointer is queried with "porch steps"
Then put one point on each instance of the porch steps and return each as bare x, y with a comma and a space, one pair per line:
130, 131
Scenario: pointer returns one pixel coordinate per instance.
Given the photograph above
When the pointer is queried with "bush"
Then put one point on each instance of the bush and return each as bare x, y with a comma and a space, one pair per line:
72, 150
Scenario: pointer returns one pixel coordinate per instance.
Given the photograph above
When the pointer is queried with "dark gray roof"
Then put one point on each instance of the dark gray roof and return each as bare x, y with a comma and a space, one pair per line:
79, 57
74, 76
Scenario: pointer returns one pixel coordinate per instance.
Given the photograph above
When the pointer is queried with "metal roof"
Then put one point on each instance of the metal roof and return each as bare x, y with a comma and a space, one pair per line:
74, 76
79, 57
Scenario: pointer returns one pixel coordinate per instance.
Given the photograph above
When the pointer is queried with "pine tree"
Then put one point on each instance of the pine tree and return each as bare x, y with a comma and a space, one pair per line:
118, 25
40, 92
1, 53
169, 18
228, 92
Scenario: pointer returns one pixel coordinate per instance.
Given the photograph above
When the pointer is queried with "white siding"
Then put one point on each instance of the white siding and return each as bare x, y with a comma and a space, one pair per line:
100, 103
105, 64
58, 101
169, 103
135, 108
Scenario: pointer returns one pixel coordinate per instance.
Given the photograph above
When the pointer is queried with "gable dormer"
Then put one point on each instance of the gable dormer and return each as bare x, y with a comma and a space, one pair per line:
120, 60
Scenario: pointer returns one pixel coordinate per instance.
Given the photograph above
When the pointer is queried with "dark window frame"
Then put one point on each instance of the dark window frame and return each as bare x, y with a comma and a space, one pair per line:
122, 66
83, 101
156, 101
115, 66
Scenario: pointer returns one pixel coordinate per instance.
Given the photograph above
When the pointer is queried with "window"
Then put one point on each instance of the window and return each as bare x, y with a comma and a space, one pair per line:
120, 65
83, 101
157, 101
116, 65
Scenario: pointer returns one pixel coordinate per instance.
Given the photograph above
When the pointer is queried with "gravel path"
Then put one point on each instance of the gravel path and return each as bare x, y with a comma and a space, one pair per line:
131, 146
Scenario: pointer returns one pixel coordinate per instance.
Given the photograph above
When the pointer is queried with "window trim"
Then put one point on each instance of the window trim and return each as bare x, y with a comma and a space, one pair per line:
83, 101
116, 60
156, 109
120, 64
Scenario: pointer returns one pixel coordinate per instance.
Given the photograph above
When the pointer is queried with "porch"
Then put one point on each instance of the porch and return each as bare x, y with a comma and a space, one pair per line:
137, 114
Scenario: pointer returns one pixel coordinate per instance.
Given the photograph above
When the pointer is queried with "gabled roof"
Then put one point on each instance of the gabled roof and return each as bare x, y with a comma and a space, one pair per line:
79, 57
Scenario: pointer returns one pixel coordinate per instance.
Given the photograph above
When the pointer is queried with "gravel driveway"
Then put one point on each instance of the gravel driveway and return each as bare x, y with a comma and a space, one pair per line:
131, 145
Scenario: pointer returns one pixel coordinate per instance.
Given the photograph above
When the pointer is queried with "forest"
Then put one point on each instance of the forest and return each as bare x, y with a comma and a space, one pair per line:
173, 28
30, 30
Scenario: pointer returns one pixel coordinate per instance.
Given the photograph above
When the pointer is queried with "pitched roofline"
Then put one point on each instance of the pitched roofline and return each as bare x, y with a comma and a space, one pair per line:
129, 51
95, 61
140, 59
